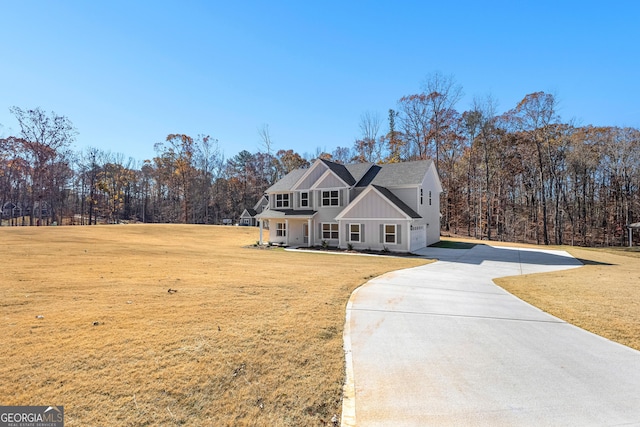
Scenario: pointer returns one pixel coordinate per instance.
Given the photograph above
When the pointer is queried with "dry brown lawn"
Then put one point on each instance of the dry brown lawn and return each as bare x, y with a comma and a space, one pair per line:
602, 297
251, 337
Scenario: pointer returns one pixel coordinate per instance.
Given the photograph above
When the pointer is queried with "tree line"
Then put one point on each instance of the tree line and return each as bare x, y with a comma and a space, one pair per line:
43, 181
522, 175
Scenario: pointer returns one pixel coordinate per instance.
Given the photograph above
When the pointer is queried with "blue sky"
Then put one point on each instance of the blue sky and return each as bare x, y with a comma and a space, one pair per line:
127, 73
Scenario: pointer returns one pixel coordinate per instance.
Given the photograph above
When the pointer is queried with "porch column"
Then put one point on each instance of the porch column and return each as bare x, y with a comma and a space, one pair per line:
286, 225
260, 222
309, 232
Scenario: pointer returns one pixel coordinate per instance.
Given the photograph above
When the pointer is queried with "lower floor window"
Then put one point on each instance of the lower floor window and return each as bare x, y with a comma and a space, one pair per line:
354, 233
281, 229
390, 233
330, 231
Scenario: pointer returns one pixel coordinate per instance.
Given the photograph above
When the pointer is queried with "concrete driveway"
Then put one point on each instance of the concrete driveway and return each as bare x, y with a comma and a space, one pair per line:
442, 345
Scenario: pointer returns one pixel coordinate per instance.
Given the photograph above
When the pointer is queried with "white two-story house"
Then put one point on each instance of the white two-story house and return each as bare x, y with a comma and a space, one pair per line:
393, 207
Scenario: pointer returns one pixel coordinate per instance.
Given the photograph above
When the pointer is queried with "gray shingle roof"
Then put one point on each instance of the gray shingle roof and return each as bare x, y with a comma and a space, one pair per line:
368, 177
358, 170
401, 174
341, 171
287, 181
362, 174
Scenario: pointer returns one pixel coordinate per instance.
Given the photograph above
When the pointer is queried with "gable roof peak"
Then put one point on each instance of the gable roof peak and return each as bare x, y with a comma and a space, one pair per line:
340, 170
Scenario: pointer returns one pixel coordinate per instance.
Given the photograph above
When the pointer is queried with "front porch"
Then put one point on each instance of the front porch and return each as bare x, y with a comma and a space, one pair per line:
288, 228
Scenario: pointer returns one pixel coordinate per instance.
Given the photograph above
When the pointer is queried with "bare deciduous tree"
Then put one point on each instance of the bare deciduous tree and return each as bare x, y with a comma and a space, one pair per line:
46, 140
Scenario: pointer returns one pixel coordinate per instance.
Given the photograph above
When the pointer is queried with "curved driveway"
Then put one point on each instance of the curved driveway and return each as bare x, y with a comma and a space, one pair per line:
441, 344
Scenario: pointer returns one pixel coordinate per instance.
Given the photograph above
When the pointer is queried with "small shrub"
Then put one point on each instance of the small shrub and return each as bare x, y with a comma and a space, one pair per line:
349, 247
325, 244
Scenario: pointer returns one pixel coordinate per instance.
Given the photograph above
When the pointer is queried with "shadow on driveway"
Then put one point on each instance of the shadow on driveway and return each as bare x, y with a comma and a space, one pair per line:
480, 253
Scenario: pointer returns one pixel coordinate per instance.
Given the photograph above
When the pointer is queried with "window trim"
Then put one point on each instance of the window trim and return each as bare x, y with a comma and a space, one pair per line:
394, 234
331, 232
351, 233
328, 201
282, 200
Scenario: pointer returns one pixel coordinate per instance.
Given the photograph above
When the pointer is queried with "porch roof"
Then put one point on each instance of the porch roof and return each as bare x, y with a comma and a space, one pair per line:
286, 213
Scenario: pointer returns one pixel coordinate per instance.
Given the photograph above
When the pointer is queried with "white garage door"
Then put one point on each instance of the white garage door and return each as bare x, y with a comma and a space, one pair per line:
418, 237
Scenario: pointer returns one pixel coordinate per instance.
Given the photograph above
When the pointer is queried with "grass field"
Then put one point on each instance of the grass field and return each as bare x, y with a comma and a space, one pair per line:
251, 337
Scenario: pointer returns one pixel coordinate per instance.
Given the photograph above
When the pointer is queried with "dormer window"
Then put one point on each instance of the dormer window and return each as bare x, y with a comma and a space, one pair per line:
282, 200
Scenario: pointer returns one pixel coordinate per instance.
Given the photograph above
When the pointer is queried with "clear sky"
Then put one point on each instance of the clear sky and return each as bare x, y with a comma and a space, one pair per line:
127, 73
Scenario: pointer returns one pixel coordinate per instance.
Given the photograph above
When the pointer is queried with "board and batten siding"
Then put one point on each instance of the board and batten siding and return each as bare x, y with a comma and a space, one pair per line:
408, 195
314, 174
330, 181
373, 235
372, 205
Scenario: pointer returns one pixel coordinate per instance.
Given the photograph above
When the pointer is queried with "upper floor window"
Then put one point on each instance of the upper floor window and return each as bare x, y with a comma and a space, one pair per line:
429, 198
421, 194
331, 198
304, 200
282, 200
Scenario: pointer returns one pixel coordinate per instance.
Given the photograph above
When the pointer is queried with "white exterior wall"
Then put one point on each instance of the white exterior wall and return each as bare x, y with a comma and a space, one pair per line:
295, 231
431, 212
372, 237
273, 227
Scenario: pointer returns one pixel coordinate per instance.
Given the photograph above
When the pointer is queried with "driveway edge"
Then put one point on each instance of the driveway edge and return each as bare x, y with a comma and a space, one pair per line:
348, 418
